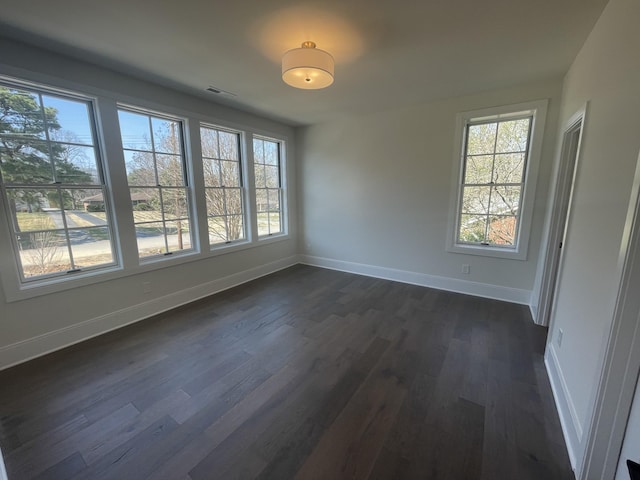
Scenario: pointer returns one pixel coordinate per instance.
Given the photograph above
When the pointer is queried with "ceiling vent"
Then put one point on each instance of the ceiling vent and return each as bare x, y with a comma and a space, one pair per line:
219, 91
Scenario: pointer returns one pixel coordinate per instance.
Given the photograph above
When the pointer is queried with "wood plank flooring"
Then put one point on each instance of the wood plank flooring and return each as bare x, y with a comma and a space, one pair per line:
304, 374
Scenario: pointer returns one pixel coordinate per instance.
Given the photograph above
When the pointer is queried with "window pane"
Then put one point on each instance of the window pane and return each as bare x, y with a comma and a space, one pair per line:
228, 146
140, 168
509, 168
73, 201
43, 253
91, 247
166, 136
263, 224
175, 202
481, 138
170, 170
505, 200
502, 230
209, 139
217, 230
472, 228
212, 174
260, 176
21, 114
513, 136
261, 200
236, 227
271, 153
73, 120
258, 150
25, 162
476, 200
215, 201
230, 174
274, 200
76, 164
27, 222
272, 177
233, 201
178, 235
274, 222
135, 130
32, 208
478, 169
150, 237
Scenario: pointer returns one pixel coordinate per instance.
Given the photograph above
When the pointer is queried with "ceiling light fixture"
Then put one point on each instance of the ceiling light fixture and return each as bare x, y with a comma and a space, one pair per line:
307, 67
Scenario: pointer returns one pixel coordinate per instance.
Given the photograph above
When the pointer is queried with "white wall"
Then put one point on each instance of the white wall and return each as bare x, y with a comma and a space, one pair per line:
375, 195
606, 73
31, 327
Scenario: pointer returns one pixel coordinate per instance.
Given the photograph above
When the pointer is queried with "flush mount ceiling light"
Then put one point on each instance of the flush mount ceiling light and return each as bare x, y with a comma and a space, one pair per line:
307, 67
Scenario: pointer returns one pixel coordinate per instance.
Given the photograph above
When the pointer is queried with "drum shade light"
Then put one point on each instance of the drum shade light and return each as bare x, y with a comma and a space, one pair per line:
307, 67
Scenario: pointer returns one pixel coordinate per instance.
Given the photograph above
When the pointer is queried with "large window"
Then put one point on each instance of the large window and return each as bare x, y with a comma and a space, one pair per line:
223, 186
268, 182
79, 205
52, 182
495, 181
156, 173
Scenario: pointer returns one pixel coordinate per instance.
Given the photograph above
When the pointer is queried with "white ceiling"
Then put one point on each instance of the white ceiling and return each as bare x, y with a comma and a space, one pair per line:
388, 53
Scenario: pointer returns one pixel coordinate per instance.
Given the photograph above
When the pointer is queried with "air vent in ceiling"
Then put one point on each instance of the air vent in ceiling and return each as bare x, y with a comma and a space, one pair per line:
219, 91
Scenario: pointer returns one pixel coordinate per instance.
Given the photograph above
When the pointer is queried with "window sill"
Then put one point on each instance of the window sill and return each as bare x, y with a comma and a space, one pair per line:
487, 251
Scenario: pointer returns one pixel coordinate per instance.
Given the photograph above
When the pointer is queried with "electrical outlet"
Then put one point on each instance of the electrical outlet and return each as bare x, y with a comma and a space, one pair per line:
466, 269
146, 287
559, 337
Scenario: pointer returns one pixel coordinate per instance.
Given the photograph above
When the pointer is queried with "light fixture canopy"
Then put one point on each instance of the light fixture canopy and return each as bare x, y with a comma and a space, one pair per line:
307, 67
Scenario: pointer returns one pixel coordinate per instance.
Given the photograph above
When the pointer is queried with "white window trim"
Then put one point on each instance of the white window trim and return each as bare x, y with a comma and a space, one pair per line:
538, 109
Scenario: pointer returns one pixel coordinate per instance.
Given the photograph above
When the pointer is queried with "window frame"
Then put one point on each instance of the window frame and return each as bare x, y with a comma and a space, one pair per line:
538, 112
243, 185
187, 176
47, 281
282, 190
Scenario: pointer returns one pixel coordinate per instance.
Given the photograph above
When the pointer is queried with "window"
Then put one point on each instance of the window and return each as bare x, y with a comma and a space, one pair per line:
268, 181
74, 211
496, 180
156, 174
52, 183
223, 184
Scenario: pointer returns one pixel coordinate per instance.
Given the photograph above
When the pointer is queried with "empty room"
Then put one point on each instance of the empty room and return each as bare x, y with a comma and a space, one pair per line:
320, 240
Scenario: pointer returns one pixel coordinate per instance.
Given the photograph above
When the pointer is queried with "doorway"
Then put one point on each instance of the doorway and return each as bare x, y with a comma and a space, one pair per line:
569, 154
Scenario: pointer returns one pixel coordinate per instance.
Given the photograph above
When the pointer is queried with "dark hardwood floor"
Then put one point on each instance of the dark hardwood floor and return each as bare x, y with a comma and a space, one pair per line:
306, 374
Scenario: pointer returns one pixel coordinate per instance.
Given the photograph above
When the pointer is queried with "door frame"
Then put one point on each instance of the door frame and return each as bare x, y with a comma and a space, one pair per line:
560, 213
617, 382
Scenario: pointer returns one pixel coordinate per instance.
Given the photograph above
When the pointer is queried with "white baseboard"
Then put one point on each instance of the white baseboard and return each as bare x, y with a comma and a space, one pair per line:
25, 350
477, 289
571, 427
